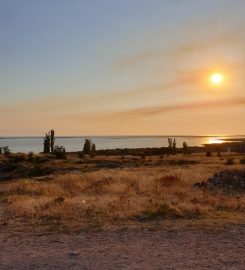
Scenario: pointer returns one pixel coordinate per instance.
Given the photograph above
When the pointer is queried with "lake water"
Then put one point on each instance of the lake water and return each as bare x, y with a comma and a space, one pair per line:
35, 144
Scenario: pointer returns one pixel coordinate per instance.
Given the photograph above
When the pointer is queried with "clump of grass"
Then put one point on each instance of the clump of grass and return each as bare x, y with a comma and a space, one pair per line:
160, 209
169, 180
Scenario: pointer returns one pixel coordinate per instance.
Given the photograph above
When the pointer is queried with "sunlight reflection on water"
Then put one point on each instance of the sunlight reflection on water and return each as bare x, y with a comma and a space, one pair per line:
214, 140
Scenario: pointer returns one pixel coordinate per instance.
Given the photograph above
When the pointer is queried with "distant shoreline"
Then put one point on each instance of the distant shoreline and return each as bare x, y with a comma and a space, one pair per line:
126, 136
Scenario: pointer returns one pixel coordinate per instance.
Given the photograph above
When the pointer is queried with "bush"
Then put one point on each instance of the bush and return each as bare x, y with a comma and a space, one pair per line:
17, 158
36, 171
81, 155
182, 162
6, 150
93, 151
185, 148
40, 159
156, 209
242, 161
30, 156
208, 153
60, 152
39, 171
219, 154
229, 161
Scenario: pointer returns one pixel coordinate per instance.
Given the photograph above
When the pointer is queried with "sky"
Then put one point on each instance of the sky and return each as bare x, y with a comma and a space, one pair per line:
122, 67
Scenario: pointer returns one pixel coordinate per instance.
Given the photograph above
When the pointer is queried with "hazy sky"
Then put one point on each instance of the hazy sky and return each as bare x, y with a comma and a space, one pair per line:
121, 67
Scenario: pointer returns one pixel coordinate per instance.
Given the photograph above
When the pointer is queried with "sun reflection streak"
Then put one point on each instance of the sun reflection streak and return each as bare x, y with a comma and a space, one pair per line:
214, 140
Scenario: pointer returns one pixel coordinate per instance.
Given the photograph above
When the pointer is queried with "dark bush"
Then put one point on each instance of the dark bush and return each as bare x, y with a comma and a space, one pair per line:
40, 159
185, 148
93, 151
81, 155
30, 156
230, 161
182, 162
60, 152
219, 154
87, 146
17, 158
208, 153
39, 171
242, 160
6, 150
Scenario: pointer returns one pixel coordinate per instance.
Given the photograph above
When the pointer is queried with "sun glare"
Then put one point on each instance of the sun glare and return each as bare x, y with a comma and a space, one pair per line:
216, 78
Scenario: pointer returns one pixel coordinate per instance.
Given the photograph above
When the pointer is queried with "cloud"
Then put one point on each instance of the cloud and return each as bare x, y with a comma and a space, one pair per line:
196, 43
226, 103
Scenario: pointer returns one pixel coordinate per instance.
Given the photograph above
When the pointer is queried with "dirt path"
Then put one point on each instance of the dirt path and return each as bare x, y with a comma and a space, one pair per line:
166, 249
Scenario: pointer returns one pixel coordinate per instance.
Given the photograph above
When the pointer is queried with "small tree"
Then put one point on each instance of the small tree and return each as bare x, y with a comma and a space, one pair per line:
93, 150
6, 150
170, 143
46, 143
52, 139
174, 146
87, 146
185, 148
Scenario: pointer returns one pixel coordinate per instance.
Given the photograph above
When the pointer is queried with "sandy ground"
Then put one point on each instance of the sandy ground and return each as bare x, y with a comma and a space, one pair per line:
130, 249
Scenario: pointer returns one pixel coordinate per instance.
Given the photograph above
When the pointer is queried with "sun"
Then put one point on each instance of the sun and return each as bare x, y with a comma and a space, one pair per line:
216, 78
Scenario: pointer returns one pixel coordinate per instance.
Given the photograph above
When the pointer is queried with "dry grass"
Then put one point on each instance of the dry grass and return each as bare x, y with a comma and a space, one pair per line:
121, 195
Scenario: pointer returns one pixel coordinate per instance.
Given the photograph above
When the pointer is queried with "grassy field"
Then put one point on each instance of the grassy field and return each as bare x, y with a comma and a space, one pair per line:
119, 191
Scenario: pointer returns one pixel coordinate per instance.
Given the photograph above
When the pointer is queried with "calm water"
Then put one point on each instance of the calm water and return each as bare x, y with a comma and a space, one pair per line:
35, 144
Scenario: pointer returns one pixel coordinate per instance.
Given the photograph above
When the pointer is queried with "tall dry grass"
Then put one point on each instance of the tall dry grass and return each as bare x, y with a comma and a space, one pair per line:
114, 196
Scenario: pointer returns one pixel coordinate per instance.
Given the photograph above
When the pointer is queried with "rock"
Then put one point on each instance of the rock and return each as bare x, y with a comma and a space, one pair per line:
232, 180
73, 253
